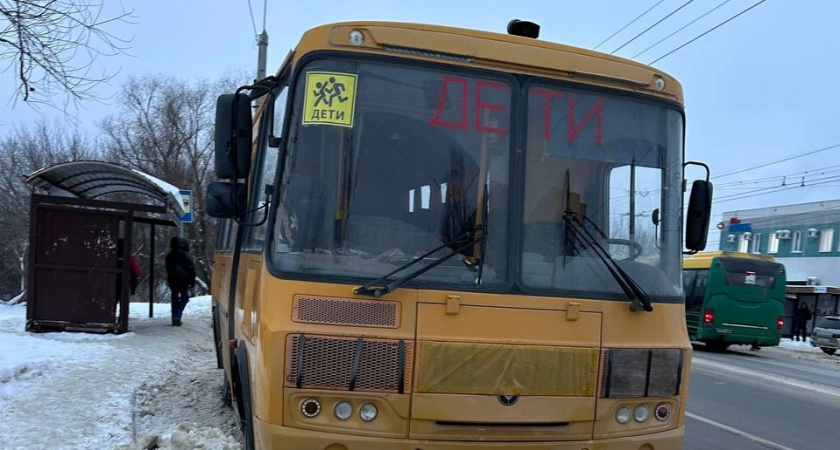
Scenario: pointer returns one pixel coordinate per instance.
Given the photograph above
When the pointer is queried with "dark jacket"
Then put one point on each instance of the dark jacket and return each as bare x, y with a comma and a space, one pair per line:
180, 269
802, 315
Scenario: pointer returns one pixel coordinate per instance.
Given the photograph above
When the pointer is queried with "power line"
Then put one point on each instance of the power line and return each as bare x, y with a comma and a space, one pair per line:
765, 192
253, 22
708, 31
793, 185
652, 26
777, 178
628, 24
682, 28
770, 163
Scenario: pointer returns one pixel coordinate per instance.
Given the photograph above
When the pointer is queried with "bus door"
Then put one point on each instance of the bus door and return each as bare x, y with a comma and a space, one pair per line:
694, 282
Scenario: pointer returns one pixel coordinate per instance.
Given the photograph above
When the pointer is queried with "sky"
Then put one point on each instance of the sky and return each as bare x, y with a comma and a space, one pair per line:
760, 88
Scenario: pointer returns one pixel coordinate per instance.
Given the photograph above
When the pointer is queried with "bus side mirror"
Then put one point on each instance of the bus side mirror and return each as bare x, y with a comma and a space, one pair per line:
226, 200
233, 136
698, 215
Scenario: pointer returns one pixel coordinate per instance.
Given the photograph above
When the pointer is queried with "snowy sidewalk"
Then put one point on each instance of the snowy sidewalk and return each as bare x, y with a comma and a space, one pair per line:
799, 346
86, 391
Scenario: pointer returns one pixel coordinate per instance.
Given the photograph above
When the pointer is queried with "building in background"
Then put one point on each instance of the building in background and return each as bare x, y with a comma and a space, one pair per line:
805, 238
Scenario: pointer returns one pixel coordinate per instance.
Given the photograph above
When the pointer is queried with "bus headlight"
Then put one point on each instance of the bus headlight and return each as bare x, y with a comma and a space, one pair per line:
368, 412
641, 413
343, 410
623, 414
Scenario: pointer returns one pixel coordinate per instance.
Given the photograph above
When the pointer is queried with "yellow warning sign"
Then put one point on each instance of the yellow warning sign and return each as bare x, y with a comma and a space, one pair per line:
330, 99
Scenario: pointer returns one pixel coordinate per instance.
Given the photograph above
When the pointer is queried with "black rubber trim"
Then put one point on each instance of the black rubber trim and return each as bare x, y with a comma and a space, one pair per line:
357, 359
301, 348
679, 372
647, 375
245, 386
608, 375
447, 423
401, 362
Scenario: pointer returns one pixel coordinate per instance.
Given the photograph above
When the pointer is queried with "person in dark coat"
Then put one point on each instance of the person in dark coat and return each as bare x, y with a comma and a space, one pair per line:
801, 317
180, 274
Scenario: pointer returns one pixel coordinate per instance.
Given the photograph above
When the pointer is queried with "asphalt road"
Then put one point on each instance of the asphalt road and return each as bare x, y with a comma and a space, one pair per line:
773, 398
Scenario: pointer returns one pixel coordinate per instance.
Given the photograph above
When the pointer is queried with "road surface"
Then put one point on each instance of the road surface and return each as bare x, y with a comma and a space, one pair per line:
774, 398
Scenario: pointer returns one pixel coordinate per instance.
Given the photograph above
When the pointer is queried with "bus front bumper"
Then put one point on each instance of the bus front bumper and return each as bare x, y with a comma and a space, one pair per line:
276, 437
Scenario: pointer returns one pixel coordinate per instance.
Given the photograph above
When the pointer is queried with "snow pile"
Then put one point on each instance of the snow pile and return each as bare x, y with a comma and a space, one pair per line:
186, 436
70, 391
801, 346
27, 357
12, 317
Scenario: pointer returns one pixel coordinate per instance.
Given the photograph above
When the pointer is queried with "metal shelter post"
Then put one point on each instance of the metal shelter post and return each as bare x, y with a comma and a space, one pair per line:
152, 273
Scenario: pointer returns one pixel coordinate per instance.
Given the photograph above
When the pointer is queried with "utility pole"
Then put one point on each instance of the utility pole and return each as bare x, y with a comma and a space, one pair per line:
262, 44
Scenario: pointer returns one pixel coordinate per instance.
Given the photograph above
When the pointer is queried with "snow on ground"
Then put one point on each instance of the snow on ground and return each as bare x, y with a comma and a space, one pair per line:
800, 346
74, 391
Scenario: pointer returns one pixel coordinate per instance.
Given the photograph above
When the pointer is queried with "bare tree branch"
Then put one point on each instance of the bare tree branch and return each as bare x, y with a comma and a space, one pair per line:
56, 46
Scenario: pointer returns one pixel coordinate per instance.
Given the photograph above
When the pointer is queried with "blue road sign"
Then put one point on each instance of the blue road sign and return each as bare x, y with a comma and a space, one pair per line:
186, 198
740, 227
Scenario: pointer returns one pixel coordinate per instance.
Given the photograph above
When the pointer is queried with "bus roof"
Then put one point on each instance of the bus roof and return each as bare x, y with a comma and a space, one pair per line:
704, 260
473, 48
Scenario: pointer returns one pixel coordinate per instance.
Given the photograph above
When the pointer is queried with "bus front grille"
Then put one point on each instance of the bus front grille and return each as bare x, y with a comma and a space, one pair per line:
349, 364
341, 311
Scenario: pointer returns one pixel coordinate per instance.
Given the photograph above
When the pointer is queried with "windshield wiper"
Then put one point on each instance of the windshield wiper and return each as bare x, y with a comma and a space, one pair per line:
639, 299
378, 288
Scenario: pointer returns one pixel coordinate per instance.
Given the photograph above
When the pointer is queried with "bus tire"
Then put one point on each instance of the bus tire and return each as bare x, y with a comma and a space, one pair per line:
830, 351
226, 394
244, 397
717, 346
217, 341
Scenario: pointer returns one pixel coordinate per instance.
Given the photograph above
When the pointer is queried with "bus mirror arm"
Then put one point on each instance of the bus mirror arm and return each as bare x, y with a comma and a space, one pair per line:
269, 189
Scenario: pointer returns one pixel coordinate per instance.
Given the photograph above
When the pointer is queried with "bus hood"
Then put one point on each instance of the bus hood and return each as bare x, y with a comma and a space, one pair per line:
502, 373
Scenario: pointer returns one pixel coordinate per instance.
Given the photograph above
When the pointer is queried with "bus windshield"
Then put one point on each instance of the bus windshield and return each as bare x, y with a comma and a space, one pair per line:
613, 164
387, 161
748, 272
420, 159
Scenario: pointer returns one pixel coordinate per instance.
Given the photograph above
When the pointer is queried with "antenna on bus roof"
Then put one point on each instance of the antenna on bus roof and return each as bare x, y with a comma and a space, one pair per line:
523, 28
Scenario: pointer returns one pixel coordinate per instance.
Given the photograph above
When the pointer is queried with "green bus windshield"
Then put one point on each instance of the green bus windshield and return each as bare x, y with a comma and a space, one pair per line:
749, 272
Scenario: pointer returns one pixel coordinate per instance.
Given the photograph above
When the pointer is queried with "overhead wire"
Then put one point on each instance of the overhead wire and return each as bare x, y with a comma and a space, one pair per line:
772, 191
708, 31
777, 161
682, 28
652, 26
253, 22
782, 178
628, 24
793, 185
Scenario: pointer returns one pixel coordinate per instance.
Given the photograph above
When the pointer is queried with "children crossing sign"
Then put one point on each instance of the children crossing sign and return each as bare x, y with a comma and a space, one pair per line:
330, 99
186, 199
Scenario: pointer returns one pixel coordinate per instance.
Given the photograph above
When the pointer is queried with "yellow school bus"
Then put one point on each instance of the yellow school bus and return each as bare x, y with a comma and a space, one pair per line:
437, 238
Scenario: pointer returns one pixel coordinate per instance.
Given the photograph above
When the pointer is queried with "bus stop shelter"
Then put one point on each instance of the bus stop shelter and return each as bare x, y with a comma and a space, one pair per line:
821, 300
80, 245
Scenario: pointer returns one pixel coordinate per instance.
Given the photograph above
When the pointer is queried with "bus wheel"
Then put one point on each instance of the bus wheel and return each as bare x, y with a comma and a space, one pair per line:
717, 346
829, 351
226, 393
217, 341
245, 398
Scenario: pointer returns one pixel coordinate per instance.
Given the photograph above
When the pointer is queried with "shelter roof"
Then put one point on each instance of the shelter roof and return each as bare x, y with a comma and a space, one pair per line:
93, 179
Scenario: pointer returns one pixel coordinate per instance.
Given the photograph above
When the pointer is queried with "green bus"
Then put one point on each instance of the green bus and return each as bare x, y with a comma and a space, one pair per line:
734, 298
